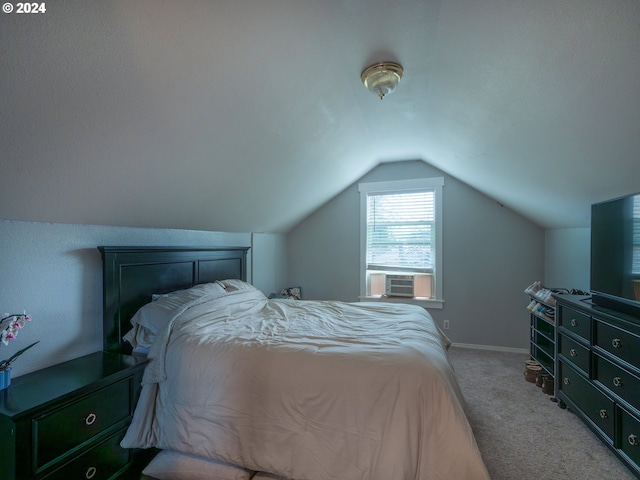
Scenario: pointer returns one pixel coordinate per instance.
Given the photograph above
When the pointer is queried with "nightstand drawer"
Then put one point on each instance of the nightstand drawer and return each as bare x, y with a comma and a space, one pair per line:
99, 463
575, 322
62, 430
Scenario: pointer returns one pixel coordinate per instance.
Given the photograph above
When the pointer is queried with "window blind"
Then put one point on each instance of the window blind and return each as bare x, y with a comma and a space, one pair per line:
400, 231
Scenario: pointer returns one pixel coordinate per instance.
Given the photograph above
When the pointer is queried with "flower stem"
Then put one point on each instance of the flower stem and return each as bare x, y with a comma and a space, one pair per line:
5, 363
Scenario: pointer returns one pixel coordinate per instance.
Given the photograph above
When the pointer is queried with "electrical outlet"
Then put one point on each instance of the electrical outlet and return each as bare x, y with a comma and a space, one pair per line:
445, 324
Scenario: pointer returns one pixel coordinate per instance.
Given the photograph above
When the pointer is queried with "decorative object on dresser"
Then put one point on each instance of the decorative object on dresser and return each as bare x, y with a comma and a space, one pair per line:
598, 366
10, 325
66, 421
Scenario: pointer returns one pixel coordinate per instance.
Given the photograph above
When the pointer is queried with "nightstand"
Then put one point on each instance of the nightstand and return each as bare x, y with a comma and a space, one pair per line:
66, 421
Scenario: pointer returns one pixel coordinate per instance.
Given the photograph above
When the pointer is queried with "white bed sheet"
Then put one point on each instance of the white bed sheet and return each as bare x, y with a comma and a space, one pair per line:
307, 390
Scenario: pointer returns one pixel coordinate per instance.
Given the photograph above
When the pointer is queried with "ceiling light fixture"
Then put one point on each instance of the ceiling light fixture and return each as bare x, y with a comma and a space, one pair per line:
382, 78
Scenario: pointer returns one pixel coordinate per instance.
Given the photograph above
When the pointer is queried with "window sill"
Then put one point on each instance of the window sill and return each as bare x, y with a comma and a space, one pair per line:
423, 302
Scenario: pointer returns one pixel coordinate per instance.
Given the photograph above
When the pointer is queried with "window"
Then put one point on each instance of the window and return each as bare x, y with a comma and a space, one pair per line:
401, 238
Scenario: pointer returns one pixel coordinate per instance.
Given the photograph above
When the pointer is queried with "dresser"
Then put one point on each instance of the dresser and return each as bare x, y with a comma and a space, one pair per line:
66, 421
598, 372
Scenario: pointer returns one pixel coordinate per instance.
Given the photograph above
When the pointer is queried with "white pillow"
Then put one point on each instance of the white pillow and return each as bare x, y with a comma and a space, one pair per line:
155, 316
172, 465
233, 285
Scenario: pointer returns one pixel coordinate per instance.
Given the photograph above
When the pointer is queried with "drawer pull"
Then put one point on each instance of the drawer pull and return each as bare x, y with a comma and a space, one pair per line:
566, 381
603, 414
573, 352
617, 381
617, 343
633, 440
574, 322
91, 472
90, 419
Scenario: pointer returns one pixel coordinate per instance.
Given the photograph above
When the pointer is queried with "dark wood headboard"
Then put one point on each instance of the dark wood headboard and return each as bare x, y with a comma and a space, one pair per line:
131, 275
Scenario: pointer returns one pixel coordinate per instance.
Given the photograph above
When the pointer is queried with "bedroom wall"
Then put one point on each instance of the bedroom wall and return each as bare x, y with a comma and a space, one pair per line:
269, 259
54, 272
568, 258
491, 254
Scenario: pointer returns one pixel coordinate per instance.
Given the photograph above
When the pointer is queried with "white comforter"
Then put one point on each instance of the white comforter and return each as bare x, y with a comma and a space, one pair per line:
306, 390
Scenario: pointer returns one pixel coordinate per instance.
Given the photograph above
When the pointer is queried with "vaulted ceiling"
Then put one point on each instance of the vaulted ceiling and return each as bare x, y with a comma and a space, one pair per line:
249, 115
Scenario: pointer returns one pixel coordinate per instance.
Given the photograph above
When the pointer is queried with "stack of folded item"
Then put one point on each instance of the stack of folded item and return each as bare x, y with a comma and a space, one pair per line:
540, 292
542, 310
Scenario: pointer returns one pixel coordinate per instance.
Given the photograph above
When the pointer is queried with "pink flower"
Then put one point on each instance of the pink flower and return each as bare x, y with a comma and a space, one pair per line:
8, 335
11, 324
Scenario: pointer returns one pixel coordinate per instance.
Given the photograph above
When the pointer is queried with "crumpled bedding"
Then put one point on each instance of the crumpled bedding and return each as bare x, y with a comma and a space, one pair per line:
316, 390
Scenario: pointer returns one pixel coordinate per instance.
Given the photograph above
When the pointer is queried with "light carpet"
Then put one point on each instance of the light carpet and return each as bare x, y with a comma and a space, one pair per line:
520, 432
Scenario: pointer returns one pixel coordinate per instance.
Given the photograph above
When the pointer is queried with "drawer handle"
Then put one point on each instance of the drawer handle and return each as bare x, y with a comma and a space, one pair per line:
91, 472
633, 440
90, 419
603, 414
566, 381
617, 381
617, 343
574, 322
573, 352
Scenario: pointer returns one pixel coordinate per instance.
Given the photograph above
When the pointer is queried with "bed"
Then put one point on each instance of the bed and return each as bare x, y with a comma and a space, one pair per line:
241, 386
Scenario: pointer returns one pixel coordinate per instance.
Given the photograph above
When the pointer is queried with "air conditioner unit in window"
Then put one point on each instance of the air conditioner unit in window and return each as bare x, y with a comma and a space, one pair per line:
399, 285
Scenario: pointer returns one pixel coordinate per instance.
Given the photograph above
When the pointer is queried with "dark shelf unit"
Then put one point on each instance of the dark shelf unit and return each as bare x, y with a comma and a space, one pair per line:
542, 339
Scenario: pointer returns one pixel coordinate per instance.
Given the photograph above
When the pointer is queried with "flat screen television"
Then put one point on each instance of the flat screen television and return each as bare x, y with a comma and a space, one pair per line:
615, 254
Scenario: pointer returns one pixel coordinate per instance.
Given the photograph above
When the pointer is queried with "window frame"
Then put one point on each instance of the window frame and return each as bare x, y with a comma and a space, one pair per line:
401, 186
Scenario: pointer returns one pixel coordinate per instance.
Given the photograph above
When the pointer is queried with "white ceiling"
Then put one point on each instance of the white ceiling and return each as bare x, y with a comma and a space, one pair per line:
248, 115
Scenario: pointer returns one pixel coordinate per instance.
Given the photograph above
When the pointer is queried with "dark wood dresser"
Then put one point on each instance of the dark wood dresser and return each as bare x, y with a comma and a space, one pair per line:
598, 372
66, 421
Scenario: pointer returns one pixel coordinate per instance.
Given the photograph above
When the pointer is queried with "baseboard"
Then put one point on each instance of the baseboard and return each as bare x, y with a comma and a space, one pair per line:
490, 347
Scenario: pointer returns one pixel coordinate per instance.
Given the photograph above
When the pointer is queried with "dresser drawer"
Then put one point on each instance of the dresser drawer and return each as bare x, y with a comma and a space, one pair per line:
576, 354
575, 322
62, 430
622, 344
630, 436
593, 403
99, 463
617, 380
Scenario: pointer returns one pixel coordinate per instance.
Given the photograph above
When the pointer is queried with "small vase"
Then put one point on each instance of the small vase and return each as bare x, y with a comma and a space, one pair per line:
5, 378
